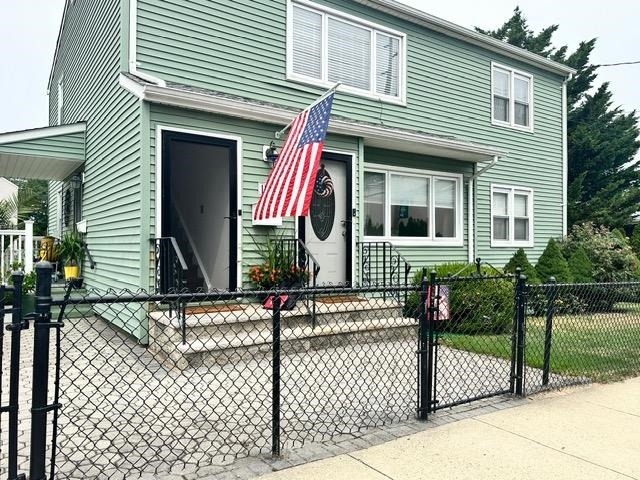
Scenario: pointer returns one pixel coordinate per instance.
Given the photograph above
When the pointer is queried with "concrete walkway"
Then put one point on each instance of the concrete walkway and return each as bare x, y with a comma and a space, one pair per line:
590, 432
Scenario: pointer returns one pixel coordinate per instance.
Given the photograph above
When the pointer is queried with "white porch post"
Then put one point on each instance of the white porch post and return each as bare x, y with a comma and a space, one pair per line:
28, 246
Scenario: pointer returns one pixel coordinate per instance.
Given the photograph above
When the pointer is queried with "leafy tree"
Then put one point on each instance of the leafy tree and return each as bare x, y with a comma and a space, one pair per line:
553, 264
30, 203
612, 258
5, 215
602, 141
520, 260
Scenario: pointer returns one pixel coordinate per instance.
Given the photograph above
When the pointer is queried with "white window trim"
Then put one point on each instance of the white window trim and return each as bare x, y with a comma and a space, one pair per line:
510, 191
401, 99
512, 74
457, 241
60, 99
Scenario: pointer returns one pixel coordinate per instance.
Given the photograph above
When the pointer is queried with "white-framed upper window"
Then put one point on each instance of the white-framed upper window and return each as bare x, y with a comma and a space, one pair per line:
409, 206
325, 46
60, 99
511, 97
511, 216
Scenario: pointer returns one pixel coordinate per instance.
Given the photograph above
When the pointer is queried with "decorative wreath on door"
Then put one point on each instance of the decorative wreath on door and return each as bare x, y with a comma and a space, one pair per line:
323, 205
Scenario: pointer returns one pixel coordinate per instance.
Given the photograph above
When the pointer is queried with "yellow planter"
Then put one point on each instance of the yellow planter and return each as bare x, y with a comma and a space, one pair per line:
71, 271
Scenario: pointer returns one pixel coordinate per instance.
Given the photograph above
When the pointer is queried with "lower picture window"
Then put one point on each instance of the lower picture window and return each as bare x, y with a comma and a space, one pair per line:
411, 205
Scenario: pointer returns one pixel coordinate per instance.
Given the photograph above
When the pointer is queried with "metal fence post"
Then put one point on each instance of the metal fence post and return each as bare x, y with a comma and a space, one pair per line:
514, 333
423, 348
548, 332
275, 407
41, 339
520, 332
16, 327
431, 312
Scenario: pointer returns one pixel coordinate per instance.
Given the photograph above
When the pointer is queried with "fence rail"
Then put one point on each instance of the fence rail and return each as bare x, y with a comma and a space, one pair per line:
125, 385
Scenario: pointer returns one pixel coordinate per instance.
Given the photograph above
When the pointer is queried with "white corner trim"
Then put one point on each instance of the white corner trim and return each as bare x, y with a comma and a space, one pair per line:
133, 47
44, 132
565, 159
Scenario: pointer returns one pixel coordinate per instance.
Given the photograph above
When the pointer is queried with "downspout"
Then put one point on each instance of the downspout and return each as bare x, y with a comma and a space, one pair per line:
565, 156
133, 47
472, 201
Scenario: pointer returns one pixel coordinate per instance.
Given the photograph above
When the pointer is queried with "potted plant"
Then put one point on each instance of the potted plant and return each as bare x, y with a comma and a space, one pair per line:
278, 269
71, 252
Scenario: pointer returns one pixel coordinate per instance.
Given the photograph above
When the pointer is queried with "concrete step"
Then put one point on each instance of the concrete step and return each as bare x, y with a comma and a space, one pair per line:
224, 337
243, 318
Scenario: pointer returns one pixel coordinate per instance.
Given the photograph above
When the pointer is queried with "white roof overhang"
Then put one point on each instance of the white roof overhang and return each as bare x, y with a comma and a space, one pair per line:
49, 153
373, 135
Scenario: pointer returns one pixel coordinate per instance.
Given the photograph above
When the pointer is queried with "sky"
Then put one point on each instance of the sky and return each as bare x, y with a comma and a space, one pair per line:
29, 29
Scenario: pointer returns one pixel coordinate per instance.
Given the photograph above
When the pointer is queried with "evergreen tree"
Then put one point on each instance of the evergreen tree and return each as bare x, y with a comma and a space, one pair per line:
602, 141
635, 239
553, 264
580, 266
520, 260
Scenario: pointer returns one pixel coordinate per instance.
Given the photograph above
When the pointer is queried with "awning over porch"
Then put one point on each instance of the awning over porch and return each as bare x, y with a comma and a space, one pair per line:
373, 135
49, 153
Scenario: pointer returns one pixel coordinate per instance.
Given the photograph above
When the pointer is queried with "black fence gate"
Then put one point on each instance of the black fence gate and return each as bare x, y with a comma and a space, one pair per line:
463, 341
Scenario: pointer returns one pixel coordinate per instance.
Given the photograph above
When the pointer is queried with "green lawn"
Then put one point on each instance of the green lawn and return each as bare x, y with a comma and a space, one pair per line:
601, 346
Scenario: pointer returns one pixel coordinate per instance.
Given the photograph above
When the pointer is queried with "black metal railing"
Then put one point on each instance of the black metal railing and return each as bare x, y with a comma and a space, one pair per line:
296, 257
171, 268
88, 256
382, 264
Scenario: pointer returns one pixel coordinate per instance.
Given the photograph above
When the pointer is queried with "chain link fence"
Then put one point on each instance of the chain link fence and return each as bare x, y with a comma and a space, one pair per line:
144, 385
224, 377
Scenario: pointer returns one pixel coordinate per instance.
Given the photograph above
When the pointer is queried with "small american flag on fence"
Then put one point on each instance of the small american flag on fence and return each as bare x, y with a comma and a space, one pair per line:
289, 187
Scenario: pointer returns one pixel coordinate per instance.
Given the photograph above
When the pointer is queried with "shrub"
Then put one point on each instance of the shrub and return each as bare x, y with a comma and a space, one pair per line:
553, 264
520, 260
610, 255
476, 305
612, 260
580, 266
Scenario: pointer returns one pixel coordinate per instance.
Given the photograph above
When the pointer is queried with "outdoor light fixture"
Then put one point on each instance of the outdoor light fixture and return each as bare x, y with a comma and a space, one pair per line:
76, 181
271, 153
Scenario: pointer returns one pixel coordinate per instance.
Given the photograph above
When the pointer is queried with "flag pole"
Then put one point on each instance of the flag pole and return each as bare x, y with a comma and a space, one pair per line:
279, 133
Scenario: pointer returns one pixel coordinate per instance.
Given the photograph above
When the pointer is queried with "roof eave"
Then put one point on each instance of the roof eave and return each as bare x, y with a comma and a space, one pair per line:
397, 9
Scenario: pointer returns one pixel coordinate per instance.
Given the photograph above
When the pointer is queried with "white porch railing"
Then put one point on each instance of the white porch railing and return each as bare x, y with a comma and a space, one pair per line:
17, 247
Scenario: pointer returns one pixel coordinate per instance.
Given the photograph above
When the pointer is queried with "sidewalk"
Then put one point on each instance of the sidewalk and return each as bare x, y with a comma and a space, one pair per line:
591, 432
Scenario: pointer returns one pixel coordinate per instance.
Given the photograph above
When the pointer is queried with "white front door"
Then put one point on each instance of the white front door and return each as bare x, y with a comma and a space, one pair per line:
327, 227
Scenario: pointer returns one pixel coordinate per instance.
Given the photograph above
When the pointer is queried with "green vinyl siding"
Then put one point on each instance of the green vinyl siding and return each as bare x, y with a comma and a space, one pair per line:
419, 256
69, 146
253, 136
53, 205
89, 59
240, 48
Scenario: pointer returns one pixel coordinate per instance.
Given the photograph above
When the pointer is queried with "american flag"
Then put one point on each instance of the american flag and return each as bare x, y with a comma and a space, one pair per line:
290, 183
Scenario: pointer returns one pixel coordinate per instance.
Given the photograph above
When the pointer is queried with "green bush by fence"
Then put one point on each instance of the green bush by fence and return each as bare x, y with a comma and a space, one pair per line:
476, 305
